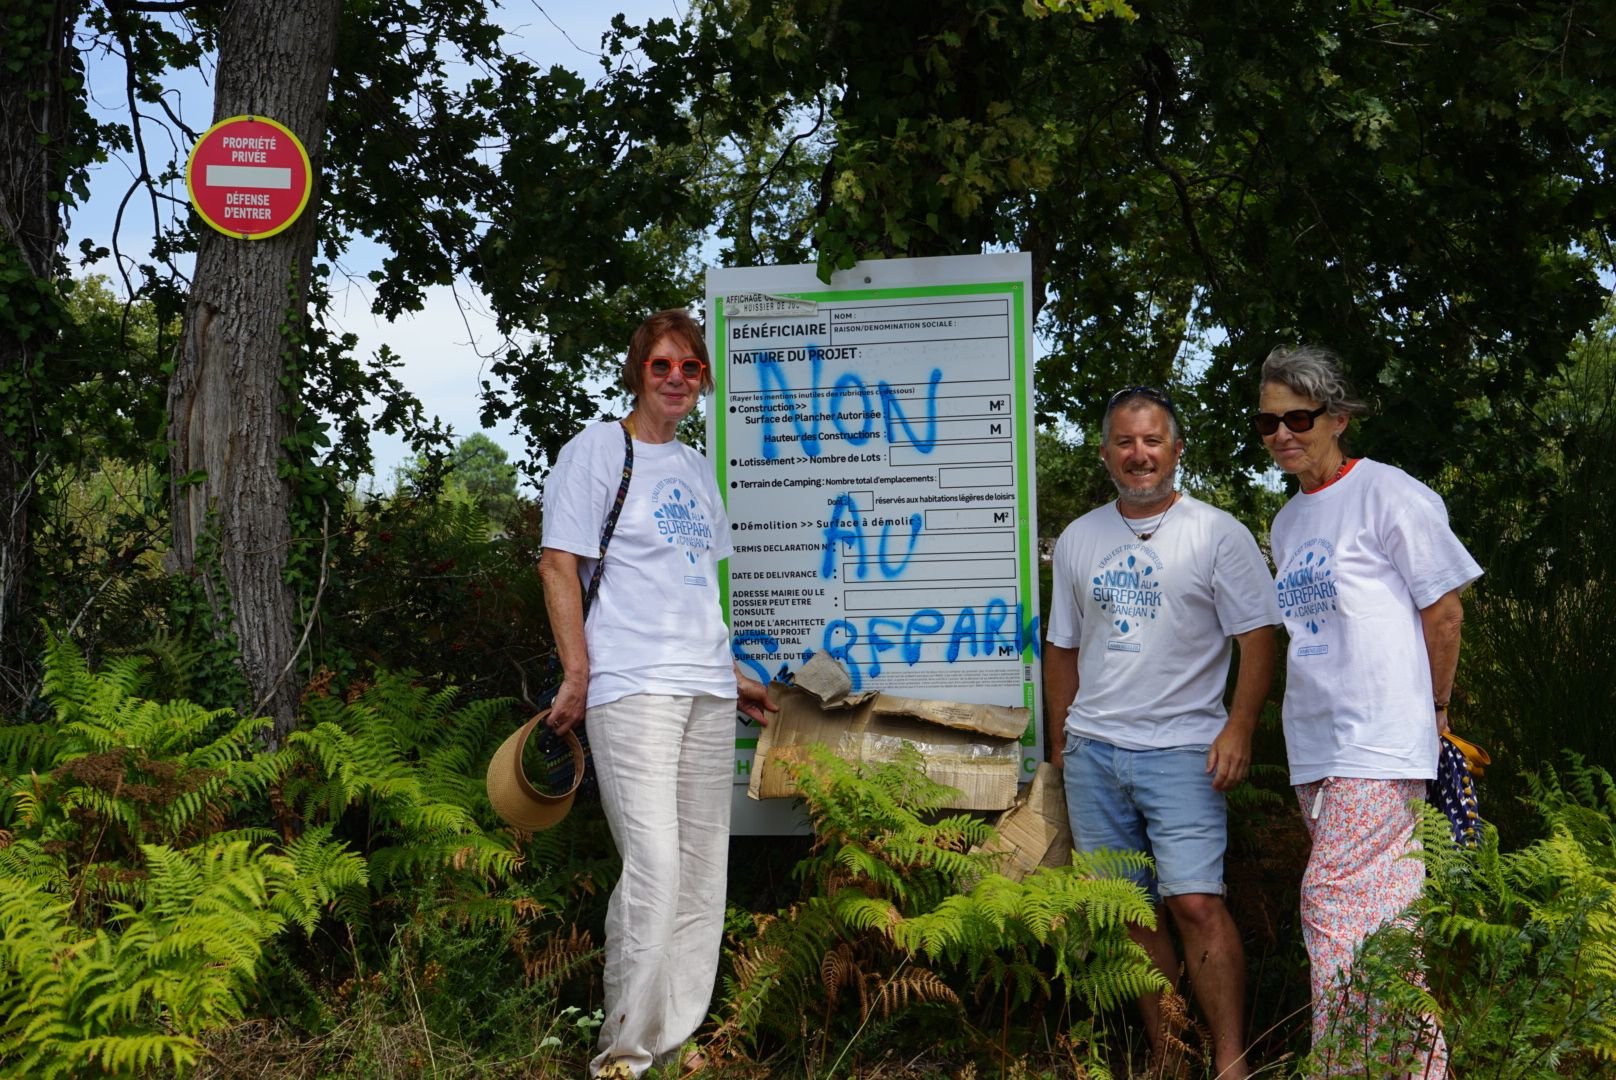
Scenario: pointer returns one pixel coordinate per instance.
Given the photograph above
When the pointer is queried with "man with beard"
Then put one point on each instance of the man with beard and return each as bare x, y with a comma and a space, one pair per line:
1151, 591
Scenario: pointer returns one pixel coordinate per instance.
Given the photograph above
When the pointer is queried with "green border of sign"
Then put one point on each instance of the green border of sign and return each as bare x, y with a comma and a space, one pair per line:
1022, 356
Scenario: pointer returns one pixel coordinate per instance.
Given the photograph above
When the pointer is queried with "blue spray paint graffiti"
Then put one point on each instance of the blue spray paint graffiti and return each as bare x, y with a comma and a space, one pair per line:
860, 645
863, 645
847, 526
806, 423
861, 650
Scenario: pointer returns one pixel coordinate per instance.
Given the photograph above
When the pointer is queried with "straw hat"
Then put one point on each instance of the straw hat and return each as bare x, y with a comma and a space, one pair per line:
515, 799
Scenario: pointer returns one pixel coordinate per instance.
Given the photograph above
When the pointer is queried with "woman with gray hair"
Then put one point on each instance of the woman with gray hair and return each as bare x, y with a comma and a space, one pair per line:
1369, 578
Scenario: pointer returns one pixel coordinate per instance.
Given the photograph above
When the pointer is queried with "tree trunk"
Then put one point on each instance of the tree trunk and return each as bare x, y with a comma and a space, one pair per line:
37, 38
228, 402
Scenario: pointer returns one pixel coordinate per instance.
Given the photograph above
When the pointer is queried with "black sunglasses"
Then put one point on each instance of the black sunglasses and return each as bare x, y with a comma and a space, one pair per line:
1298, 420
1149, 393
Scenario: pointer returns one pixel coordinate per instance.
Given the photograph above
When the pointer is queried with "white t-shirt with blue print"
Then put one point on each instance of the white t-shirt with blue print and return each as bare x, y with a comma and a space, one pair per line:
1357, 561
1152, 621
656, 626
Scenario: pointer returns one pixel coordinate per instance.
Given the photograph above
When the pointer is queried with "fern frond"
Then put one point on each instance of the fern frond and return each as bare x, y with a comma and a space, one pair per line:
1107, 982
426, 854
25, 800
863, 863
315, 873
912, 986
1025, 980
862, 912
1107, 863
562, 957
135, 1054
236, 743
838, 969
25, 748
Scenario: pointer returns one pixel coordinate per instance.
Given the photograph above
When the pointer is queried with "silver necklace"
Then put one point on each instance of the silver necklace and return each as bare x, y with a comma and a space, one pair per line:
1154, 525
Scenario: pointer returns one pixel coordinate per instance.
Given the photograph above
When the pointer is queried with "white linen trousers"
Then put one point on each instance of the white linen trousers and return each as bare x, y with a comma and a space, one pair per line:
665, 767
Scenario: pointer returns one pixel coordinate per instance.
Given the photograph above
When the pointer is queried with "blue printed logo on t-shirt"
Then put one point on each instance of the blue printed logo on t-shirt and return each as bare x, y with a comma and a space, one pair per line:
679, 519
1128, 587
1306, 589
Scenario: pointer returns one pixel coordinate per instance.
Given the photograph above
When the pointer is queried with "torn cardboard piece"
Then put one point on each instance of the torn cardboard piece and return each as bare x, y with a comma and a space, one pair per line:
972, 748
998, 721
1035, 831
829, 681
824, 678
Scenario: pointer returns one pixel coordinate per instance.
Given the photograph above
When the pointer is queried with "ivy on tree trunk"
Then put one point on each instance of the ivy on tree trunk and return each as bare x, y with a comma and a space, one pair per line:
36, 114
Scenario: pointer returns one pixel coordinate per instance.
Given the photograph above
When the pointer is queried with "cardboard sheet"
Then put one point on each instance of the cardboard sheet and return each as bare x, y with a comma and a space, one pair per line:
1035, 831
974, 748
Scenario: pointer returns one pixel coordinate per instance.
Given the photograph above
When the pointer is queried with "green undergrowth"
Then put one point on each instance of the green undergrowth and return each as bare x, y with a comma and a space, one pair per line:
165, 878
905, 939
1517, 949
177, 899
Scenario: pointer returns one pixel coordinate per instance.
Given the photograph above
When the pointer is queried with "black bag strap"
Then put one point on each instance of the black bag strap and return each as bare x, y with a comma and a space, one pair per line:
611, 518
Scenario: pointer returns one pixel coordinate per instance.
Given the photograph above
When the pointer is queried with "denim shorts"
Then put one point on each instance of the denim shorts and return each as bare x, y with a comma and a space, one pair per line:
1160, 802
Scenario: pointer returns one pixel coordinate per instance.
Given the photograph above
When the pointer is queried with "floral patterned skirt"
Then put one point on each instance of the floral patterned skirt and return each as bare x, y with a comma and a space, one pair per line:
1359, 878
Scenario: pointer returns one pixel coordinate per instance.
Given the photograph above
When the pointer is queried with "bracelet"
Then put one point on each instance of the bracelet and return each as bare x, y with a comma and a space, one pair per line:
1441, 706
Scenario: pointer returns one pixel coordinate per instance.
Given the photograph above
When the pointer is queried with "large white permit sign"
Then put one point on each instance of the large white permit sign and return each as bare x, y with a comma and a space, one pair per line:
873, 438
